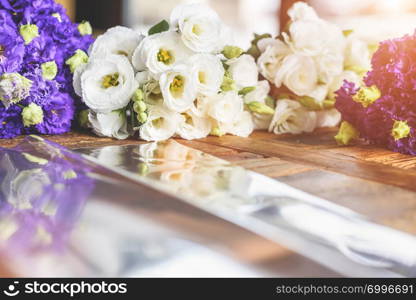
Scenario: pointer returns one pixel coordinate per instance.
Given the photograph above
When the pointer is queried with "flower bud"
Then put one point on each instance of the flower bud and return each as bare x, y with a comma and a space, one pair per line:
85, 28
260, 108
138, 95
29, 32
79, 58
142, 117
346, 133
400, 130
32, 115
49, 70
139, 106
232, 52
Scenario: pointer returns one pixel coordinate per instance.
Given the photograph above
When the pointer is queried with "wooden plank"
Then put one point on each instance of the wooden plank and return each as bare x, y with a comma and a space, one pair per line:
319, 158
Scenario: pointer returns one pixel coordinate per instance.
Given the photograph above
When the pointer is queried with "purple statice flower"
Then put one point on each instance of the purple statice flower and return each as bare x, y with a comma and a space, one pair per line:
58, 39
11, 45
58, 113
10, 122
390, 120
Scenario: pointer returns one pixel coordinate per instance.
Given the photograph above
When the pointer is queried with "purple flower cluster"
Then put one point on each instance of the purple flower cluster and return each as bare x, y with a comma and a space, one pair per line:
51, 41
388, 119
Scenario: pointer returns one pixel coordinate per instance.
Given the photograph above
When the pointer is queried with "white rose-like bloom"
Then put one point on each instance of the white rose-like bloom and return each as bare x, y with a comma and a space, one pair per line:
261, 121
291, 117
357, 54
76, 79
328, 118
179, 88
242, 125
108, 84
329, 66
117, 40
160, 52
302, 11
314, 37
244, 71
225, 107
208, 72
161, 124
298, 73
192, 126
273, 53
200, 27
201, 105
111, 124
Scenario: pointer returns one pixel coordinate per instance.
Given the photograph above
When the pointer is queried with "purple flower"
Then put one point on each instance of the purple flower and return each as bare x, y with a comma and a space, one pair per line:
58, 113
10, 122
11, 46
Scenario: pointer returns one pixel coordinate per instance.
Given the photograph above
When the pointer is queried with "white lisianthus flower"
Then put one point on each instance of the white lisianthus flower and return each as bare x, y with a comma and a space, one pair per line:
161, 124
208, 72
298, 73
259, 94
225, 107
200, 27
261, 121
291, 117
242, 125
116, 41
357, 54
179, 88
113, 124
243, 70
320, 93
329, 66
328, 118
200, 106
302, 11
273, 53
160, 52
192, 126
76, 79
108, 84
314, 37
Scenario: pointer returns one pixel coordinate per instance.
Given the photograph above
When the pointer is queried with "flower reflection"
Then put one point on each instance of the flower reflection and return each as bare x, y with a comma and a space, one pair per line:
194, 174
42, 194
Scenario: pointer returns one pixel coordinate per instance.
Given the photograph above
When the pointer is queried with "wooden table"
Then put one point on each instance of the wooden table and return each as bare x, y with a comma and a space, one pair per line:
375, 182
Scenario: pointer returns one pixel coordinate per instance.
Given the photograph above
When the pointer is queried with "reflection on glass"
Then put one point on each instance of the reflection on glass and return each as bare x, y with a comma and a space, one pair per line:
332, 235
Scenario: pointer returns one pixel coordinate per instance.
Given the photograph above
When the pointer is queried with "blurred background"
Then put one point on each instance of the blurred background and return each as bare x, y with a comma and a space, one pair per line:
373, 20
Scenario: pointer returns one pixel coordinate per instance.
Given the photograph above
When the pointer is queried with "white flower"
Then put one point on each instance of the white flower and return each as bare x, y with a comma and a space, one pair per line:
338, 81
243, 70
291, 117
161, 124
302, 11
298, 73
192, 126
225, 107
200, 105
108, 84
241, 126
179, 88
113, 124
273, 53
328, 118
117, 40
160, 52
76, 79
208, 71
329, 65
200, 27
315, 37
261, 121
357, 54
259, 94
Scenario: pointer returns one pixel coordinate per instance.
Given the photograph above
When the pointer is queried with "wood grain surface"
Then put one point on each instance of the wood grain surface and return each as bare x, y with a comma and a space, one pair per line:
375, 182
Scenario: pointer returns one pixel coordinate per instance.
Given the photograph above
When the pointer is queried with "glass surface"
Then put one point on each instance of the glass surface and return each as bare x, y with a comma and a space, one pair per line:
163, 209
327, 233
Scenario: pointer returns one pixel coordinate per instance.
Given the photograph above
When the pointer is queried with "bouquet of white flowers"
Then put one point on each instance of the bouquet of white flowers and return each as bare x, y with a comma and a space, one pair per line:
183, 79
307, 64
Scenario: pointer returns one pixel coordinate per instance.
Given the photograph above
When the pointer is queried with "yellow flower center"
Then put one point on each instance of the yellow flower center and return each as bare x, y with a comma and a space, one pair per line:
196, 29
202, 78
177, 86
110, 80
165, 56
158, 122
400, 130
367, 95
188, 119
121, 52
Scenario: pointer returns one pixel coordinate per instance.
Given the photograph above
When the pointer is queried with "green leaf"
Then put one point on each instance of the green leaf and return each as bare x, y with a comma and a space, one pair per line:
159, 27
